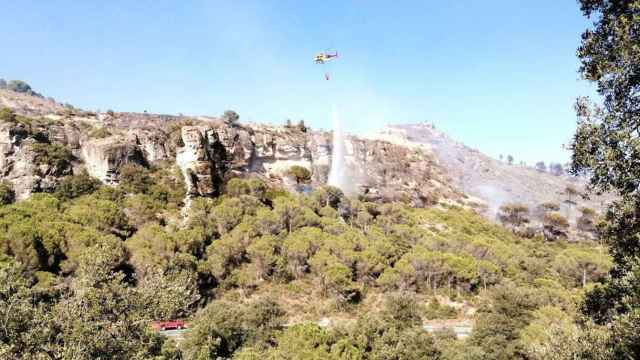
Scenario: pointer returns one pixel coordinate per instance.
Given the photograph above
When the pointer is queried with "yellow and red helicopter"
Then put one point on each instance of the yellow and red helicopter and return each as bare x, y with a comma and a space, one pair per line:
324, 57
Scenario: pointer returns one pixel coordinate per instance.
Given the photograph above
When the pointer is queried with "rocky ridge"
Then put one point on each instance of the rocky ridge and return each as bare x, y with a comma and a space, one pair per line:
207, 150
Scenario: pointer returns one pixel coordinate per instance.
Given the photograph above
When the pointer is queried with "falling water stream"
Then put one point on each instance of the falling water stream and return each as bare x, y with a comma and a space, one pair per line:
337, 173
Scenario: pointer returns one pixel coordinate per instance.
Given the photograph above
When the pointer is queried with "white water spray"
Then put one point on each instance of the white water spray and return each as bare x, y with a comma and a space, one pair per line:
337, 173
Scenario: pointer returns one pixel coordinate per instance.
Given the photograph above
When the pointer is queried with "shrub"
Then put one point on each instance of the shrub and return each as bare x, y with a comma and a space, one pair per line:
587, 220
402, 311
555, 226
100, 133
549, 206
556, 169
230, 117
7, 195
300, 173
3, 84
134, 178
514, 214
435, 310
301, 126
76, 185
56, 155
254, 187
7, 115
19, 86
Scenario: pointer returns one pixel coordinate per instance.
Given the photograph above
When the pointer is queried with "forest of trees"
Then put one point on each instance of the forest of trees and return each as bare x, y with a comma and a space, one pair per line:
85, 269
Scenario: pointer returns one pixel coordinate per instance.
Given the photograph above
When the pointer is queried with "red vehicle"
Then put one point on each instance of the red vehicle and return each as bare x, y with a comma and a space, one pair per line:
168, 325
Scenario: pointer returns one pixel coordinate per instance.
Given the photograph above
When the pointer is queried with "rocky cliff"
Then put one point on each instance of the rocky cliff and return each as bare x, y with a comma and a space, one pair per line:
46, 141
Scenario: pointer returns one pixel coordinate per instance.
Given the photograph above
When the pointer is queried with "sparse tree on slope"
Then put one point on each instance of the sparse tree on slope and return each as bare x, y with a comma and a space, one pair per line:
230, 117
555, 226
514, 214
556, 169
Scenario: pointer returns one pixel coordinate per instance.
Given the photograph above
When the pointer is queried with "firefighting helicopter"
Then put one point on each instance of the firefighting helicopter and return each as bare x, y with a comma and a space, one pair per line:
323, 57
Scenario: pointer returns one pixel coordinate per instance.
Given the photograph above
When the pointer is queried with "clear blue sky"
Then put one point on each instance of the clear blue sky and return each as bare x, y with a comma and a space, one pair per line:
500, 76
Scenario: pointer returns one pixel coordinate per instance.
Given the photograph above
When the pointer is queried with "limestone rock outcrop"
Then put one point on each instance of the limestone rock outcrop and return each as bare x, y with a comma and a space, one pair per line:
209, 152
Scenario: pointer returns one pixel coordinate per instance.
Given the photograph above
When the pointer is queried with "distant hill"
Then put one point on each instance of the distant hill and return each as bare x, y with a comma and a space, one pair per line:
492, 182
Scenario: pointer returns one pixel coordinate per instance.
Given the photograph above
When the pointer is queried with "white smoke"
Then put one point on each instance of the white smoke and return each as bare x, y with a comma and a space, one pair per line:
337, 173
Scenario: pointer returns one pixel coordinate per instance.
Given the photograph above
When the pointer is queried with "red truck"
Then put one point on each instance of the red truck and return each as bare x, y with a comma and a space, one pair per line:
169, 325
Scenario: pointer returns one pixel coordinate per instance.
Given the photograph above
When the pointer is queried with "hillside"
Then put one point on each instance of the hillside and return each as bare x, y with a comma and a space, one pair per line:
493, 183
109, 221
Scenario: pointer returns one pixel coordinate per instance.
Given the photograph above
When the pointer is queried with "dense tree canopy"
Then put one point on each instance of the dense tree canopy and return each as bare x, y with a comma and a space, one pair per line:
606, 146
93, 247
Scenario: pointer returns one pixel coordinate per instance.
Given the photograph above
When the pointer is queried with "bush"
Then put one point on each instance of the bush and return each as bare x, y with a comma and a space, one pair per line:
402, 311
435, 310
100, 133
300, 173
301, 126
514, 214
255, 187
555, 226
134, 178
230, 117
56, 155
548, 206
223, 327
19, 86
7, 195
7, 115
587, 220
74, 186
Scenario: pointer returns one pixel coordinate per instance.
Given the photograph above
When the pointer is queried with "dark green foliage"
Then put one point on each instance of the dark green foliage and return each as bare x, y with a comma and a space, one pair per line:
254, 187
435, 310
605, 145
54, 155
510, 159
299, 173
230, 117
499, 321
96, 312
134, 178
587, 220
7, 115
7, 195
73, 186
19, 86
301, 126
402, 311
223, 327
131, 252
